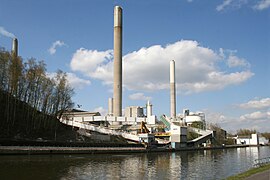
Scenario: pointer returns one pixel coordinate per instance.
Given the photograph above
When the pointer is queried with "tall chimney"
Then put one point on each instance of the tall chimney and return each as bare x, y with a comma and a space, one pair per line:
172, 87
14, 50
117, 74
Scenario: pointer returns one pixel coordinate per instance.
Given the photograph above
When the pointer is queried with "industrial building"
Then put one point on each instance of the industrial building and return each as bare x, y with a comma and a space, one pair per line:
134, 111
137, 124
253, 139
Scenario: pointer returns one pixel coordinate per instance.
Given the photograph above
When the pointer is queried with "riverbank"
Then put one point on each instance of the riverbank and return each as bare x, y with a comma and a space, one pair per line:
39, 150
262, 173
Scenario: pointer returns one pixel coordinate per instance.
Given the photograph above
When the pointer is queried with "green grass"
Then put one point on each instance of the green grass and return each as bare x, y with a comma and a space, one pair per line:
249, 172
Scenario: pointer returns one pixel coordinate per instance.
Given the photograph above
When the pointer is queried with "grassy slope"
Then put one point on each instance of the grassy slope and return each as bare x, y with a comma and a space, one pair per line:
250, 172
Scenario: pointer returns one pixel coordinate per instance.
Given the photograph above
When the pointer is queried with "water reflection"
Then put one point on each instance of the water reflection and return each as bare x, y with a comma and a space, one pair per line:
216, 164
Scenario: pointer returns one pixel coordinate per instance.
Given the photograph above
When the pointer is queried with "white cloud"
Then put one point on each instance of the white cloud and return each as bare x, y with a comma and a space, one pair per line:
139, 96
253, 119
6, 33
216, 81
231, 58
256, 120
77, 82
58, 43
101, 110
88, 61
228, 123
256, 104
223, 5
258, 115
231, 4
237, 4
215, 117
74, 81
263, 4
234, 61
148, 68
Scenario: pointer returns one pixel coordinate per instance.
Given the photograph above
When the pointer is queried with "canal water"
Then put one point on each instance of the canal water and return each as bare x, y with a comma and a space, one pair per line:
208, 164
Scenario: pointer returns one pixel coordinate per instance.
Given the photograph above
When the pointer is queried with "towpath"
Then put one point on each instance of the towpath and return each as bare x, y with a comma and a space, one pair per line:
265, 175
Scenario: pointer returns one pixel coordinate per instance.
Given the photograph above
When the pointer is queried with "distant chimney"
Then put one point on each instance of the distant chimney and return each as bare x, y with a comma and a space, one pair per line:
148, 109
110, 107
172, 87
14, 50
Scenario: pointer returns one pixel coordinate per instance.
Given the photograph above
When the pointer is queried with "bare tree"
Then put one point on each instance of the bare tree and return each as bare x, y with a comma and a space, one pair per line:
44, 97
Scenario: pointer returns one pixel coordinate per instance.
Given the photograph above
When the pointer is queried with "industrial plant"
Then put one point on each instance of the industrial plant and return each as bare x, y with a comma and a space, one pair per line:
138, 125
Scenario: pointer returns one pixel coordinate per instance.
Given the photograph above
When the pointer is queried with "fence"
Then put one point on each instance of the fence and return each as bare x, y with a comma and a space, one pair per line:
260, 162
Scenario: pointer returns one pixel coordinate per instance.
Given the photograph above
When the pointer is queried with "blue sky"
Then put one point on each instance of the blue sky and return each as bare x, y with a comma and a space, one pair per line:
221, 49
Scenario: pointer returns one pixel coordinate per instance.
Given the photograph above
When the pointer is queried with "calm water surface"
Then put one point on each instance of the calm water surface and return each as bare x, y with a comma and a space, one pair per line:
215, 164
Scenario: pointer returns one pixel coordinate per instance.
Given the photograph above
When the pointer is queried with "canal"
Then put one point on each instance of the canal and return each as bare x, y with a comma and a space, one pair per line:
208, 164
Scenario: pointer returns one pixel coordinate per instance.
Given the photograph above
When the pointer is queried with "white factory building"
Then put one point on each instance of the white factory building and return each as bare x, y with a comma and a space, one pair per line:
248, 140
134, 111
190, 117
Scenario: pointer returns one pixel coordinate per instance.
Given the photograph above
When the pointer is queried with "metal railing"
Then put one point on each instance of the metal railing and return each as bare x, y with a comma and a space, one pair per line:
103, 130
261, 162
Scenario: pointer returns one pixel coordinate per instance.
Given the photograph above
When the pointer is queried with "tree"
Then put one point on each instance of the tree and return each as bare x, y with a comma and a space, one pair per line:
4, 64
245, 132
197, 124
266, 135
29, 83
15, 73
62, 94
220, 134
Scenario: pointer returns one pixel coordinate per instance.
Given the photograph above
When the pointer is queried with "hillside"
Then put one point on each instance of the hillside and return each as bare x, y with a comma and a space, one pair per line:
18, 120
21, 122
30, 102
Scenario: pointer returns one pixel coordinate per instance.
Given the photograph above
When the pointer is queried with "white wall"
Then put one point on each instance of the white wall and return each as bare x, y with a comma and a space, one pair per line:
254, 140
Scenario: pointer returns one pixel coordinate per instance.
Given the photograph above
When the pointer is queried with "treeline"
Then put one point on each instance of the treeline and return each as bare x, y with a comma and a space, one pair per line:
27, 82
221, 135
245, 132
